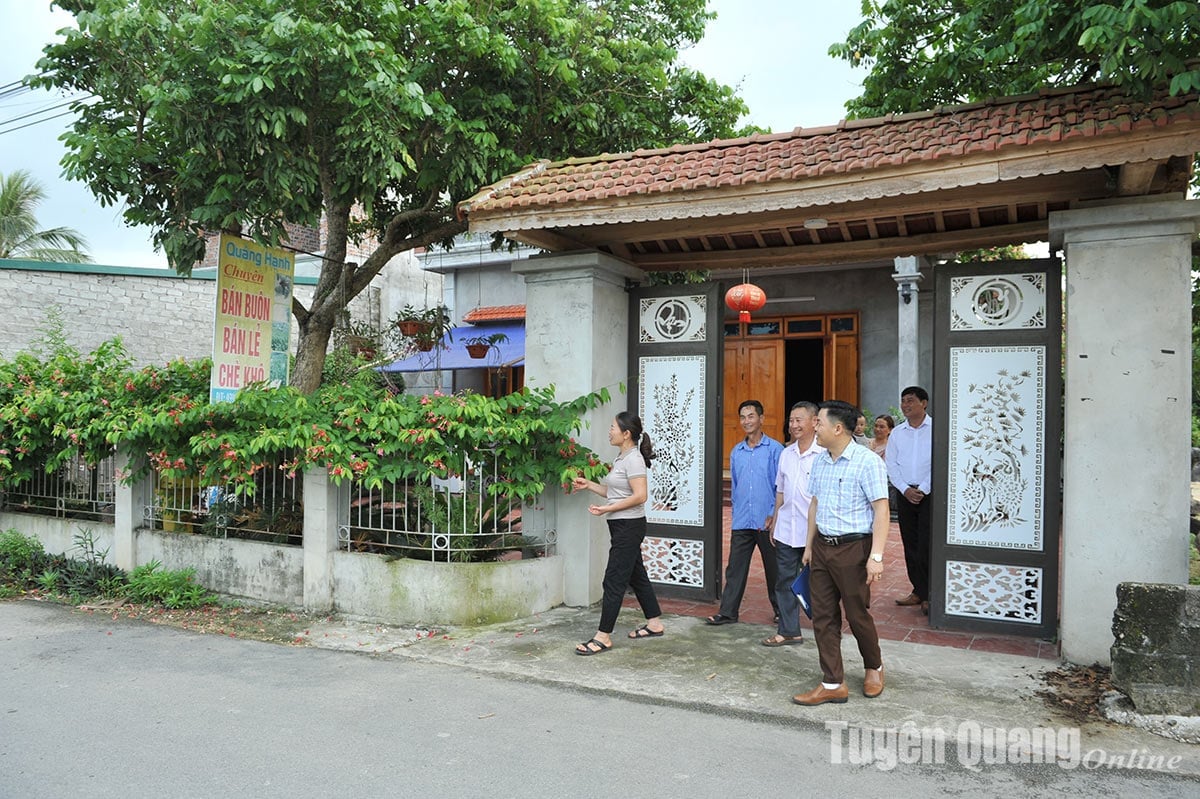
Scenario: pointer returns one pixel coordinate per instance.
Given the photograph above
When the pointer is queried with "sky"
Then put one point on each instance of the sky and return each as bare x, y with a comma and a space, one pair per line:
773, 51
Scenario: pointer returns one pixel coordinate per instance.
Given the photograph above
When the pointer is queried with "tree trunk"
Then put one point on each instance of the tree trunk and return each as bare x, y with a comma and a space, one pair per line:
310, 352
340, 282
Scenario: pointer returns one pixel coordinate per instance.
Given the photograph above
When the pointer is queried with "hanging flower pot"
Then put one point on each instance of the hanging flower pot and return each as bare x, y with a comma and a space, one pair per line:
411, 327
478, 346
425, 345
363, 346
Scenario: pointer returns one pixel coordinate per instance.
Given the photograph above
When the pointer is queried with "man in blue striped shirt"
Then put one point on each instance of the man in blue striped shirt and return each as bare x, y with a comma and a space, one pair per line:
847, 531
753, 464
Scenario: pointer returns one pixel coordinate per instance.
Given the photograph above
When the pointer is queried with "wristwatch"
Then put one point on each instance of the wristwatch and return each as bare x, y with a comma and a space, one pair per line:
877, 557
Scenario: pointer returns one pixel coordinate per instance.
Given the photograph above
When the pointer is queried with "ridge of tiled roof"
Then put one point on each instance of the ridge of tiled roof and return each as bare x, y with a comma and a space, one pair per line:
495, 313
1048, 116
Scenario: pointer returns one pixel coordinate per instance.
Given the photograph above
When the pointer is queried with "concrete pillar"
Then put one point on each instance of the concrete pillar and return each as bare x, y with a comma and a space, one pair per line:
576, 339
129, 514
323, 503
1127, 432
908, 304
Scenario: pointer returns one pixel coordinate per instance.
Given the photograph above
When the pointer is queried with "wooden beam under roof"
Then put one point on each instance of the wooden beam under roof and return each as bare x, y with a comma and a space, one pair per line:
1134, 180
546, 240
844, 252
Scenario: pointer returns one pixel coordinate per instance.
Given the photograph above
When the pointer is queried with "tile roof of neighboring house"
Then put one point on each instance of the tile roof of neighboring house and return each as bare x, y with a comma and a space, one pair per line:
1050, 117
495, 313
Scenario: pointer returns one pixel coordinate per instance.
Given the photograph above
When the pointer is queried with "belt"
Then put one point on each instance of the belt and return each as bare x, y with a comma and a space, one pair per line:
837, 540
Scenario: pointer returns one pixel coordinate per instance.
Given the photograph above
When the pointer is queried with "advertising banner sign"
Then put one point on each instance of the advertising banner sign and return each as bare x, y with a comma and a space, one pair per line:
252, 333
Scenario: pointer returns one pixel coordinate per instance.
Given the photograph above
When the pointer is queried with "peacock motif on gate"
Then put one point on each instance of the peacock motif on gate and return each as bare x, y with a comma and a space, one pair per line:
992, 486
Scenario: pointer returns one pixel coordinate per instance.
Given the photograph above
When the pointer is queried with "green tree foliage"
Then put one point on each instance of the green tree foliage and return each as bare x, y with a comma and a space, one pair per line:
242, 115
932, 52
20, 195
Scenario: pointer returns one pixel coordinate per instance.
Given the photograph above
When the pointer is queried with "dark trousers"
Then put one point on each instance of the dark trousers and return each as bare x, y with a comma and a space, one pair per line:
790, 565
915, 525
626, 570
741, 550
839, 575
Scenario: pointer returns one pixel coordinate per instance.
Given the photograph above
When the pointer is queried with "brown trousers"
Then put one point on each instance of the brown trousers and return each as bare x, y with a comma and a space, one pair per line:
839, 574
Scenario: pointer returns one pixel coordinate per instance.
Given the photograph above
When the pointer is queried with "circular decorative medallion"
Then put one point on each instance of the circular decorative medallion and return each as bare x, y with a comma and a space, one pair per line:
672, 319
997, 302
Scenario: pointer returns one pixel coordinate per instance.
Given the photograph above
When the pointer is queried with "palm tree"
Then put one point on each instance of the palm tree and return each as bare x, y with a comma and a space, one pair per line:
20, 195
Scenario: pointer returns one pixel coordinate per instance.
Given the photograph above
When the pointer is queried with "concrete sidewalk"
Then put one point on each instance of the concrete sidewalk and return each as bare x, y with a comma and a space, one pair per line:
952, 694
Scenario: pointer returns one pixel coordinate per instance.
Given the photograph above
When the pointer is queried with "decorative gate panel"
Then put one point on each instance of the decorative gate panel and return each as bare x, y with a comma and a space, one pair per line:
997, 411
675, 363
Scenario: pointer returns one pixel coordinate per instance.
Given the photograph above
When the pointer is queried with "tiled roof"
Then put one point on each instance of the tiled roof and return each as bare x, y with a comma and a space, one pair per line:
495, 313
1047, 118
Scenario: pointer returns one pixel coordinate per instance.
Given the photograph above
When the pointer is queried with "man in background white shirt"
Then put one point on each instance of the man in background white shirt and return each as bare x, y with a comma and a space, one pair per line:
909, 466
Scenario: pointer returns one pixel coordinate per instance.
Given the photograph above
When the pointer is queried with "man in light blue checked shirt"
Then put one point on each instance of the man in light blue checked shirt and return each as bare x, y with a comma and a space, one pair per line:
847, 532
753, 464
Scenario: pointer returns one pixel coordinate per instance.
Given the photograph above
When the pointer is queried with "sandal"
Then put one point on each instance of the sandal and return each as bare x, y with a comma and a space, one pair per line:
587, 648
645, 632
719, 618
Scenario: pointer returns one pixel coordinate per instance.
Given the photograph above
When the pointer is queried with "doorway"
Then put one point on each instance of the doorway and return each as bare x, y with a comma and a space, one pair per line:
782, 360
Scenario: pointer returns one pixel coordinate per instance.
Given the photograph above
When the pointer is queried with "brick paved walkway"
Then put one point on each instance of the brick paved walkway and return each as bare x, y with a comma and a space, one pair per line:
893, 622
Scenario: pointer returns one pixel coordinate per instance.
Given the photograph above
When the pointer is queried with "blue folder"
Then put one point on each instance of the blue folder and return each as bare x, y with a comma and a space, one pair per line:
800, 589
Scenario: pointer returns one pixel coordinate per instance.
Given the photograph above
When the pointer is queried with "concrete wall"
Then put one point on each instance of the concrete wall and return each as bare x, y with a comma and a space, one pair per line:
318, 576
418, 592
159, 315
233, 567
57, 536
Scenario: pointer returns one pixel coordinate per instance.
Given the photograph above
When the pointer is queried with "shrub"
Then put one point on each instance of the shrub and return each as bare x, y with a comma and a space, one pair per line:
60, 405
20, 553
151, 583
89, 575
22, 558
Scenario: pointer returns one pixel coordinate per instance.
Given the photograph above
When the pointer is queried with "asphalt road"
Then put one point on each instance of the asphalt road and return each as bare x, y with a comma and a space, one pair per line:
91, 707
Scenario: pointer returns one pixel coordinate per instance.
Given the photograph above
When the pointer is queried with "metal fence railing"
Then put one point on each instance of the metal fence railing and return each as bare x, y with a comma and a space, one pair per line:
274, 513
76, 490
456, 519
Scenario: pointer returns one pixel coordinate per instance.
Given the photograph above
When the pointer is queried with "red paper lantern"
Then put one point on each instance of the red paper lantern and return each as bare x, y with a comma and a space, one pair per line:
745, 298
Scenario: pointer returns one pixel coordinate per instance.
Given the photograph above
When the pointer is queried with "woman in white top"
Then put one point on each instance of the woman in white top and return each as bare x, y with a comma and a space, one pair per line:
625, 491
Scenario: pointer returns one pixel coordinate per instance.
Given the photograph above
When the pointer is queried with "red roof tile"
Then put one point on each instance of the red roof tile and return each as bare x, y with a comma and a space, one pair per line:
1052, 115
495, 313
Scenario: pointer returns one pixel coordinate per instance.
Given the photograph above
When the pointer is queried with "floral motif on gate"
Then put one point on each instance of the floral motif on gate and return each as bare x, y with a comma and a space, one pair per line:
674, 449
672, 401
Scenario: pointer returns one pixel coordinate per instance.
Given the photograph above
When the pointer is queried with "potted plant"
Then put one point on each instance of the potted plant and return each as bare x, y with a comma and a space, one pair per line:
478, 346
362, 339
410, 321
429, 326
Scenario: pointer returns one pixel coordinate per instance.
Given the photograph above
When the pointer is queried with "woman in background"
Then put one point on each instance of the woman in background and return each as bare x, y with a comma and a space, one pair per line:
625, 489
884, 425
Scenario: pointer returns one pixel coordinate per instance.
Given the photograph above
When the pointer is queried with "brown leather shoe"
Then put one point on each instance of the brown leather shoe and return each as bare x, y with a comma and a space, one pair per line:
873, 683
911, 599
820, 695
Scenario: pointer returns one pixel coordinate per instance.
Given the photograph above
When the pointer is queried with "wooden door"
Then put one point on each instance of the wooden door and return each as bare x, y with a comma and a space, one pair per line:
841, 367
754, 369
